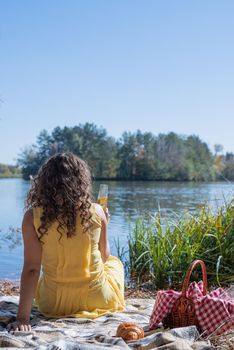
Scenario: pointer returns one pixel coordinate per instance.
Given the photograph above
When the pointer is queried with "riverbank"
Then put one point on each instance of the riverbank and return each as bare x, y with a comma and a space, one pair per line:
160, 249
9, 288
3, 176
224, 342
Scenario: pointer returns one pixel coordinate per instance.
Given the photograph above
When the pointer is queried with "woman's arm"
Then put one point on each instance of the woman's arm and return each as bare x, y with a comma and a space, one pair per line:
30, 273
103, 242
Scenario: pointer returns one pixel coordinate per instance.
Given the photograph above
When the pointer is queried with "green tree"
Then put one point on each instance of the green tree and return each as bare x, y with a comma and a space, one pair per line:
29, 161
145, 161
171, 154
228, 171
127, 148
87, 141
200, 159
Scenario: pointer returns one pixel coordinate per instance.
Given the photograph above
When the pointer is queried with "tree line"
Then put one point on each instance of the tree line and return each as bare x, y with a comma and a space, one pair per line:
9, 171
134, 156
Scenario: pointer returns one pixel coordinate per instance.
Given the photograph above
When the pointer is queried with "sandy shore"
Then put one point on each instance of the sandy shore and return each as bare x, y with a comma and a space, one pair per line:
224, 342
9, 287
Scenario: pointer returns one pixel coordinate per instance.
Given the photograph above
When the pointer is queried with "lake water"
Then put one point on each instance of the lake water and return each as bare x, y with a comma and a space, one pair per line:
126, 200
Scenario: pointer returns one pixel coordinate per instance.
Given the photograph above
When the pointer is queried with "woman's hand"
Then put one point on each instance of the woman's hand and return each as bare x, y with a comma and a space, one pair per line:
103, 243
19, 325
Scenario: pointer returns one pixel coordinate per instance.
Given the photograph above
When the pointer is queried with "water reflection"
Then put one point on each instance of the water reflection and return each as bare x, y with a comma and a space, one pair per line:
12, 238
126, 200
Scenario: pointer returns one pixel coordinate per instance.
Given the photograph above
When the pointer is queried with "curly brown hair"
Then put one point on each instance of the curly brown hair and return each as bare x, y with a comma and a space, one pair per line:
61, 188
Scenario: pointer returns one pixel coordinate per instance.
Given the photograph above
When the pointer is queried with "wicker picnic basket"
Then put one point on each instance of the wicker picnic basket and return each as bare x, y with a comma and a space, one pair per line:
183, 311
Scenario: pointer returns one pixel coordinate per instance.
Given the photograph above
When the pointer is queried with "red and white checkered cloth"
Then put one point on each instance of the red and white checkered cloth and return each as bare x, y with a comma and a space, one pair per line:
214, 312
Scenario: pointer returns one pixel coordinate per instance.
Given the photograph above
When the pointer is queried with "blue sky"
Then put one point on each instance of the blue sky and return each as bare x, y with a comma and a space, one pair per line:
154, 65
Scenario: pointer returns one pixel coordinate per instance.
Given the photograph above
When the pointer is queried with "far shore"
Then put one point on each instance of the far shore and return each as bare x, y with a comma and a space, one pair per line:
10, 177
137, 180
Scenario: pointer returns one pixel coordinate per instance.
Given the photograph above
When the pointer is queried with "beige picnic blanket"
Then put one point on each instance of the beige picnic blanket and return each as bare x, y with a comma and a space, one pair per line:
87, 334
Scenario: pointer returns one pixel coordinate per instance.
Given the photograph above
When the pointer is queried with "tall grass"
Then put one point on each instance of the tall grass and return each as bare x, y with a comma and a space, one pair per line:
160, 250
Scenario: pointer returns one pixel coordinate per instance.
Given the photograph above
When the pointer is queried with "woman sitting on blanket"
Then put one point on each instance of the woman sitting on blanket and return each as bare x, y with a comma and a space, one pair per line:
67, 234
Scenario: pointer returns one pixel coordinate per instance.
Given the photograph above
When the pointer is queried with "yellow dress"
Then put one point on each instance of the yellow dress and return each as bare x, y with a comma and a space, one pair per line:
75, 281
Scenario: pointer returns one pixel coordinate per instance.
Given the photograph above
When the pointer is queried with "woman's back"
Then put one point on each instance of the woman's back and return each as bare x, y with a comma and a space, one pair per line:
75, 281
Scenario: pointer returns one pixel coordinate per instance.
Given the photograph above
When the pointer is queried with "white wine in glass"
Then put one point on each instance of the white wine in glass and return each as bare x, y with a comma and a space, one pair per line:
103, 195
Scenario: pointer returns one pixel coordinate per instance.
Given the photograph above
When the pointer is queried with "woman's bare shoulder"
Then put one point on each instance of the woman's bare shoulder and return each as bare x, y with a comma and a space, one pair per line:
28, 217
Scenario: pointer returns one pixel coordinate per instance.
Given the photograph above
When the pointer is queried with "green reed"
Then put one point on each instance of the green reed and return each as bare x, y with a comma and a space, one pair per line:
160, 249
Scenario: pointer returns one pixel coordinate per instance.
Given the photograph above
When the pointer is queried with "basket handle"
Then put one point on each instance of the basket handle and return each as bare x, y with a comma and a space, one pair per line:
188, 275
